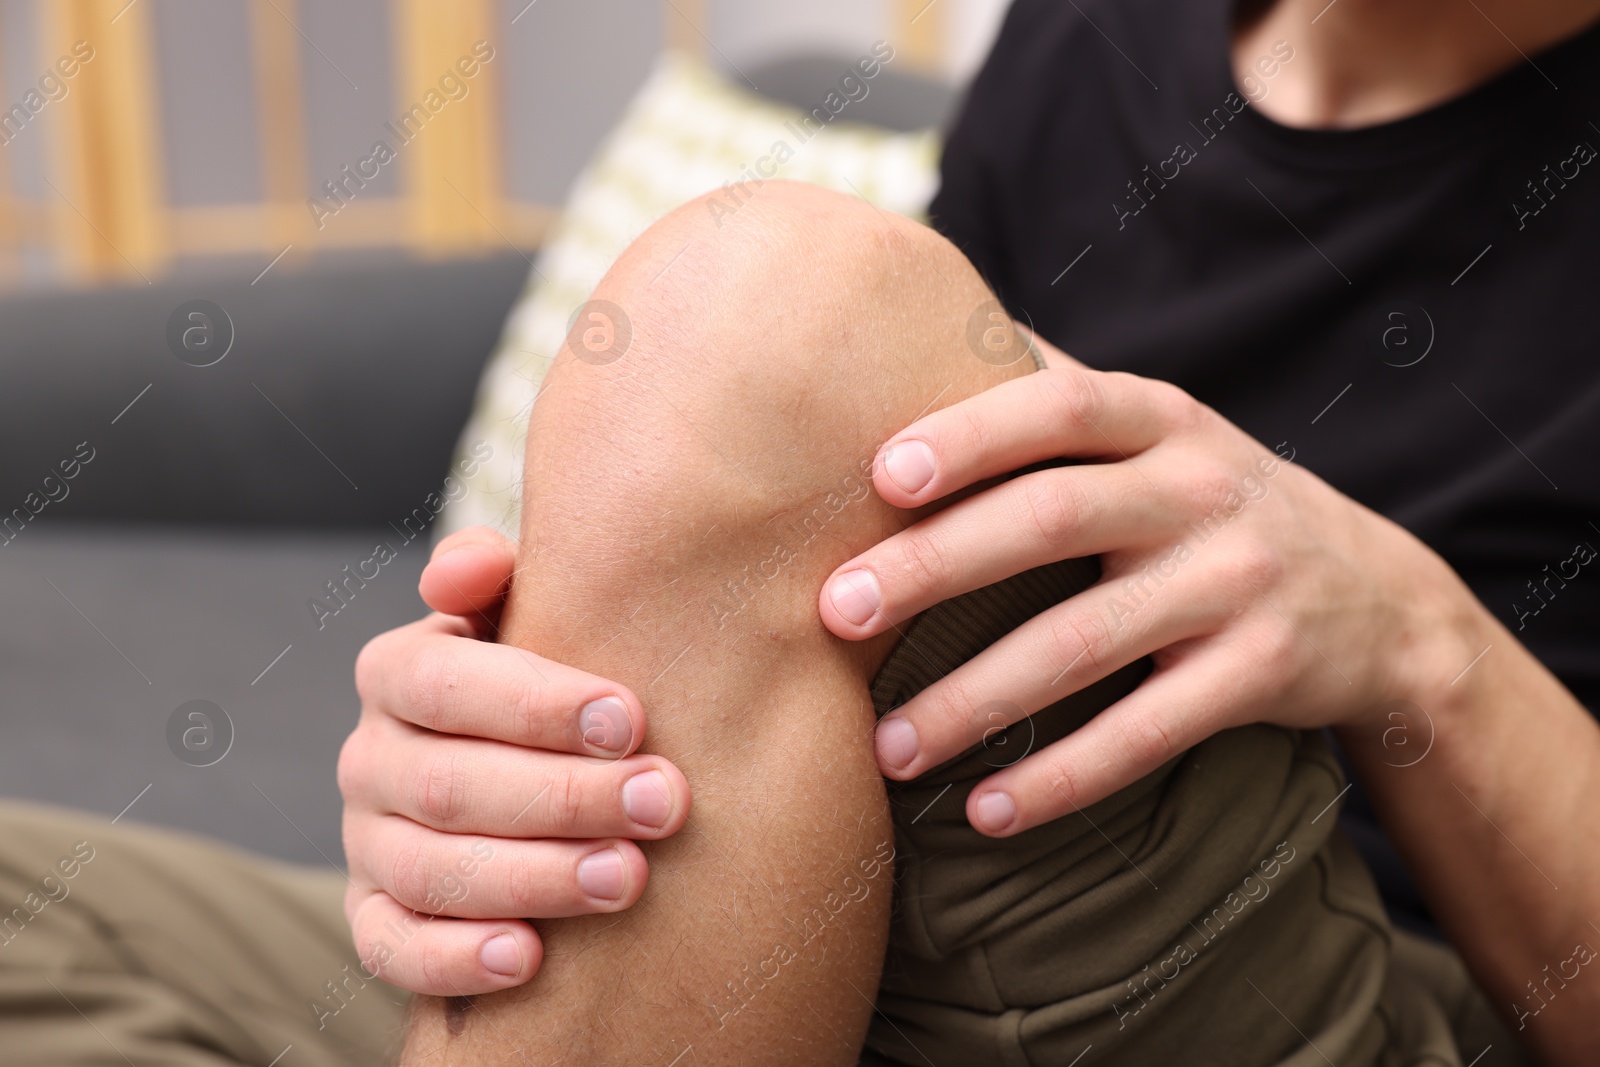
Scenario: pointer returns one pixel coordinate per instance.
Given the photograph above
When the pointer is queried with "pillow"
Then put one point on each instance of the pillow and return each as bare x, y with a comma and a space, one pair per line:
685, 133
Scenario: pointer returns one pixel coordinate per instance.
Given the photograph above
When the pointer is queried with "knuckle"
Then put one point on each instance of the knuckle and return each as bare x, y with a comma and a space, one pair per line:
1176, 409
352, 911
564, 806
1077, 395
524, 889
366, 941
433, 966
530, 710
1148, 741
351, 834
975, 436
959, 706
432, 682
1054, 503
1063, 787
441, 791
1216, 502
1258, 565
408, 873
1250, 571
924, 562
369, 665
1075, 637
1278, 647
1211, 488
352, 771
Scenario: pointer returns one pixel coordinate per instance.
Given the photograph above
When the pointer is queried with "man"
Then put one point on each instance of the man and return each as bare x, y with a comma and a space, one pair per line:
1021, 194
784, 357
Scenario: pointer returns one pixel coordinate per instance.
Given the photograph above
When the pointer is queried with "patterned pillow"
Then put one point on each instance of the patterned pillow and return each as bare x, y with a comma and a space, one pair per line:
687, 132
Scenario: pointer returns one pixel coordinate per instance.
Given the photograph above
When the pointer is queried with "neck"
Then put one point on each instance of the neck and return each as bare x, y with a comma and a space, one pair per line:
1363, 62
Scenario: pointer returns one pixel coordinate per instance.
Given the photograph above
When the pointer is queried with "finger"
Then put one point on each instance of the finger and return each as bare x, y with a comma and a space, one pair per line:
442, 957
1172, 711
1059, 652
468, 786
460, 685
1062, 411
474, 877
1026, 522
469, 572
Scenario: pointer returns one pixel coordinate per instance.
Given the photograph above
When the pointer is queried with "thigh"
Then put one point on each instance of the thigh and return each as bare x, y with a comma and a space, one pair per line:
124, 942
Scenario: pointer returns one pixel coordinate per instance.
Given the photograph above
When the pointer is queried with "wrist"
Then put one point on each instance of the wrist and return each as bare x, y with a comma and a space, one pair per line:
1452, 629
1440, 632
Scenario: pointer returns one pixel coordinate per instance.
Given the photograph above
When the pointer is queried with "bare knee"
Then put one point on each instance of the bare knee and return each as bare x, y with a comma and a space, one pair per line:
749, 371
820, 247
803, 286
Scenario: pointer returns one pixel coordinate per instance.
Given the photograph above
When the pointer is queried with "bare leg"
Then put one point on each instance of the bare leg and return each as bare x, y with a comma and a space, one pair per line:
692, 478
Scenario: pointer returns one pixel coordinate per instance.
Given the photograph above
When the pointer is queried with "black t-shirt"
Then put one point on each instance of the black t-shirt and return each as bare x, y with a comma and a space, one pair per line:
1409, 309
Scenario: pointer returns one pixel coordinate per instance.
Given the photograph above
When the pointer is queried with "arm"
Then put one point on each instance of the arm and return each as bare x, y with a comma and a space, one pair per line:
1497, 820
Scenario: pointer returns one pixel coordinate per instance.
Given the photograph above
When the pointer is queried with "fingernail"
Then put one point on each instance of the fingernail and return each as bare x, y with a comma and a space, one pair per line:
909, 465
501, 955
897, 742
602, 874
856, 596
647, 798
604, 724
994, 811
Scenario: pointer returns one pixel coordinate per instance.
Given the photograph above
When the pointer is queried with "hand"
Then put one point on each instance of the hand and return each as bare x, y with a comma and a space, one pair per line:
483, 781
1260, 593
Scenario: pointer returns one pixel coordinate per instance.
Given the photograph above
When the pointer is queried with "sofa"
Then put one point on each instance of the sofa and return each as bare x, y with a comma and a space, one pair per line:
182, 492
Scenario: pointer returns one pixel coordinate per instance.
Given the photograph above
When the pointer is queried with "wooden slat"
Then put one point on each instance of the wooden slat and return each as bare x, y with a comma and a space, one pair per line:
281, 118
450, 165
106, 154
371, 222
231, 229
919, 34
33, 222
241, 229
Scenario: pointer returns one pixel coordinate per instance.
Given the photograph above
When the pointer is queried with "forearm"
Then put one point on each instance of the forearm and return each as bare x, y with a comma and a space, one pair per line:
1496, 820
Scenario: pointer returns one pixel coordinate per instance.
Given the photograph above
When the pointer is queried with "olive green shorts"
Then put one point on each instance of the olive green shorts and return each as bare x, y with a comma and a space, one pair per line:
1211, 913
124, 944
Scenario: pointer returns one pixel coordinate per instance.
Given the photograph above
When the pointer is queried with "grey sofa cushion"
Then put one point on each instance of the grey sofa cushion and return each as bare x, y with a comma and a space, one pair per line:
199, 615
339, 402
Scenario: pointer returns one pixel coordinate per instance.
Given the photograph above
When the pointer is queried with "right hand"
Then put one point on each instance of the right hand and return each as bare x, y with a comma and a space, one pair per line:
484, 786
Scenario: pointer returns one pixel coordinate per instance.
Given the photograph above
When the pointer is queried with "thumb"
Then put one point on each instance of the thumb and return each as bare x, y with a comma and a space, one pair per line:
470, 572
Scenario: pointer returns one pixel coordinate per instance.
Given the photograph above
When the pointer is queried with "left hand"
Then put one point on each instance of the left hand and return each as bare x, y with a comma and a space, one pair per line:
1260, 592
